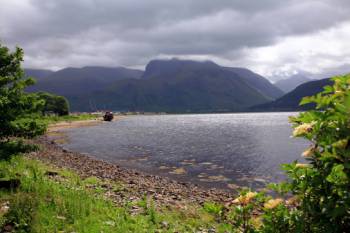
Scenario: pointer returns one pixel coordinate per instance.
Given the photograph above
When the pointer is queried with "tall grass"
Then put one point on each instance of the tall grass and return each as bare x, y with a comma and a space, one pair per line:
45, 203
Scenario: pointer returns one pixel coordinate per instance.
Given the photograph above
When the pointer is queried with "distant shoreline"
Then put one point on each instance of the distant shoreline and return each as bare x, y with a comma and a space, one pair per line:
78, 124
72, 124
195, 113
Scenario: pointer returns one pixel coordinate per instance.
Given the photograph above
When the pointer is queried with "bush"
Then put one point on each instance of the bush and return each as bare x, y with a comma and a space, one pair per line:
323, 185
213, 208
8, 149
316, 196
21, 211
14, 103
54, 103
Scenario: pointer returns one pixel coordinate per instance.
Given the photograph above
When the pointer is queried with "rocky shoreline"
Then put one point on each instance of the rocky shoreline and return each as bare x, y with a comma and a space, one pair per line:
135, 185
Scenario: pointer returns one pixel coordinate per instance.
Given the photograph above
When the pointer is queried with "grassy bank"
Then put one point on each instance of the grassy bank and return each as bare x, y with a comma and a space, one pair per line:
56, 200
68, 118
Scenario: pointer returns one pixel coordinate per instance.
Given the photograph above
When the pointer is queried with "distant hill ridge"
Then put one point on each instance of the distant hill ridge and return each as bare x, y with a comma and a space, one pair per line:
73, 81
291, 100
39, 74
166, 85
292, 82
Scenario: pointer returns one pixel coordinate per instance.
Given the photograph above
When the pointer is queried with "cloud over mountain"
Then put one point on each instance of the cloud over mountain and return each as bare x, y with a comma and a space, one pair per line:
267, 36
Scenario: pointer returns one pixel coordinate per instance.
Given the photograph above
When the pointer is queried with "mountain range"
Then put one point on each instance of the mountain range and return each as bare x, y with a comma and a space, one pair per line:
174, 86
71, 82
290, 83
39, 74
165, 85
291, 100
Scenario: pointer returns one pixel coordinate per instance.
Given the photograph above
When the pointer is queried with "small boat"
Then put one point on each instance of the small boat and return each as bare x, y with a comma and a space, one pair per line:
108, 116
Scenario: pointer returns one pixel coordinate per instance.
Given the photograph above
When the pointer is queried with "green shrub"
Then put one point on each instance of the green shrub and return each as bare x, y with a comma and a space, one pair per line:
323, 185
20, 215
214, 208
316, 195
14, 103
10, 148
54, 103
28, 127
241, 215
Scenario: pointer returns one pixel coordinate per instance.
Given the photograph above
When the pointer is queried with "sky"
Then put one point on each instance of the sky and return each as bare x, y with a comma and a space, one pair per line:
275, 38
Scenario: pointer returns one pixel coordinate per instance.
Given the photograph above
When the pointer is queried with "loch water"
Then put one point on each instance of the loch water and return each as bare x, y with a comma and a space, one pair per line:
211, 150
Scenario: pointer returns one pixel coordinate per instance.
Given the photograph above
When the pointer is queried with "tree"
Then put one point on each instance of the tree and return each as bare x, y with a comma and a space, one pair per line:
54, 103
15, 104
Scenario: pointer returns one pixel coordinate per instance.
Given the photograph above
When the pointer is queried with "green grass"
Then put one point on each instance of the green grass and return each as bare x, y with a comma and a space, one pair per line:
66, 203
71, 117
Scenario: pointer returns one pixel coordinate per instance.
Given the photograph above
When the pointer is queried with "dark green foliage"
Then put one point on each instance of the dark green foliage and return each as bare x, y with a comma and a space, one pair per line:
10, 148
28, 127
324, 185
320, 187
14, 103
53, 103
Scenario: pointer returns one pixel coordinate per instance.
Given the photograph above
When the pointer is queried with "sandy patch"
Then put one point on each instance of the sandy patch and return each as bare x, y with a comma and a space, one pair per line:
178, 171
163, 167
233, 186
72, 124
218, 178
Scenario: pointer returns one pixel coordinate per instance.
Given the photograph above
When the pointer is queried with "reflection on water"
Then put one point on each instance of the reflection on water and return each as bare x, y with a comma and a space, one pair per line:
214, 150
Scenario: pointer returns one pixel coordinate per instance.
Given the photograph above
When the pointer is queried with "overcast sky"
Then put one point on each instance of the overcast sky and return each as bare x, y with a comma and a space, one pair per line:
271, 37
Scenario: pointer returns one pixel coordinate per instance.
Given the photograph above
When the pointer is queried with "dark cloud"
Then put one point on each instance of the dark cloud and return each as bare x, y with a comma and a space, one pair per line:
58, 33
